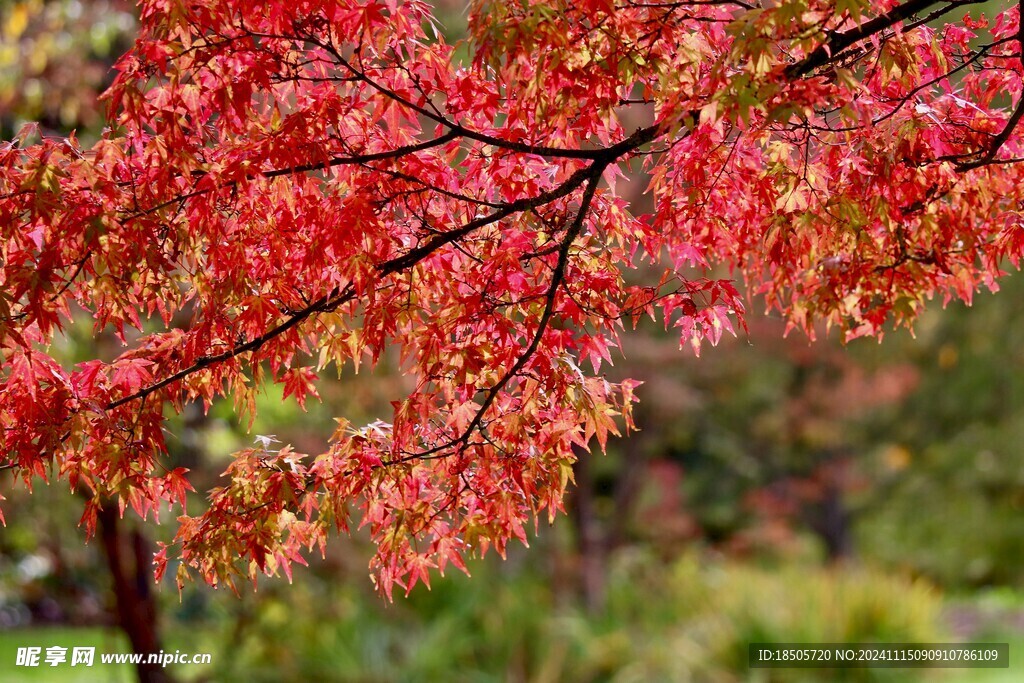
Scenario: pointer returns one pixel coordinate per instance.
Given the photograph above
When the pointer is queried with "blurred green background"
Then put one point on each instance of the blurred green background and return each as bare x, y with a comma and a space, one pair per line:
778, 491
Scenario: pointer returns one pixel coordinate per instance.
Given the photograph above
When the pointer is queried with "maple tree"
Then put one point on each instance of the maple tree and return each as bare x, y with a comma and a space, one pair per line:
308, 183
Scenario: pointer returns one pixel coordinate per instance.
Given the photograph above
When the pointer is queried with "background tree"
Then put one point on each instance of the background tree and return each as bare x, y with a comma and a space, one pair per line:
56, 60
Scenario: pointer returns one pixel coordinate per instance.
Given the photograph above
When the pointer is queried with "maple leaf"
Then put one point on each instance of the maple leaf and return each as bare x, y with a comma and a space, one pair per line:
299, 382
131, 374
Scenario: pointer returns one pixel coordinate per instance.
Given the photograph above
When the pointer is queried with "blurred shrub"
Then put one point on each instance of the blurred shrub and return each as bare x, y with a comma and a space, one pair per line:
948, 471
689, 621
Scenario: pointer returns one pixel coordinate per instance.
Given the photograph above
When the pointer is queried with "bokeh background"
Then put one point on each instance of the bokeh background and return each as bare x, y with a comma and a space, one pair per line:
778, 491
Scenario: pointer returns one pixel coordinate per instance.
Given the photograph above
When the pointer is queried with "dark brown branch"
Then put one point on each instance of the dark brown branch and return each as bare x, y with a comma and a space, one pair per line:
838, 42
609, 154
332, 300
325, 303
592, 176
998, 141
1011, 124
354, 159
940, 12
468, 133
557, 277
350, 160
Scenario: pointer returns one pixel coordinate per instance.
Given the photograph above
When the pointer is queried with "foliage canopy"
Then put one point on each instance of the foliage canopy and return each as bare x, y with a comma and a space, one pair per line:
286, 186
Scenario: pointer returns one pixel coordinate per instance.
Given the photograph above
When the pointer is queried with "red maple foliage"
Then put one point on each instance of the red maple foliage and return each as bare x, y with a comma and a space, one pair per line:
310, 182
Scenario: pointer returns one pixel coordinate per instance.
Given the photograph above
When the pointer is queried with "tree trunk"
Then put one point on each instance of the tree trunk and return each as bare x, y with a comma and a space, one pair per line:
589, 537
831, 521
127, 557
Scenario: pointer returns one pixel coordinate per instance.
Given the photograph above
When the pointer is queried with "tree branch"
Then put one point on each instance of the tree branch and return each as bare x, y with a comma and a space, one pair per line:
837, 42
1011, 124
592, 176
332, 300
